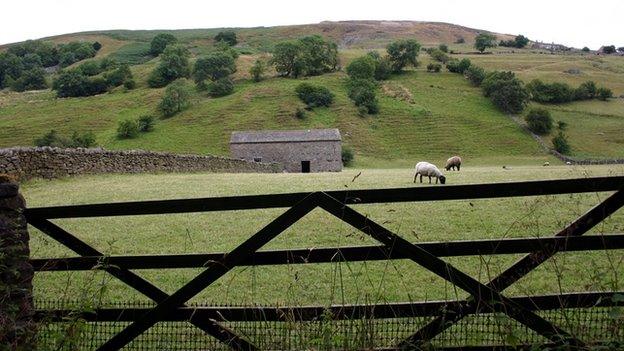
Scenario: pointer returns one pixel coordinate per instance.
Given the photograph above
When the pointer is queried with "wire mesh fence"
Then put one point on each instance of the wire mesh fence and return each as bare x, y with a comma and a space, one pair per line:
592, 325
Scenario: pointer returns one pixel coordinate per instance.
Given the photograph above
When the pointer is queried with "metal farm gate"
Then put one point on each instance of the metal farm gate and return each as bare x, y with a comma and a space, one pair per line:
569, 321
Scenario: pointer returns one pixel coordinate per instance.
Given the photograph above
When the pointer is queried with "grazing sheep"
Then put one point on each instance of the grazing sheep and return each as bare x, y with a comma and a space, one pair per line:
546, 164
428, 170
453, 162
568, 163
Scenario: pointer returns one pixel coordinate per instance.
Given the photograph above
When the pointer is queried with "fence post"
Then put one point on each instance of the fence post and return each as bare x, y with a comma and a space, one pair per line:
17, 328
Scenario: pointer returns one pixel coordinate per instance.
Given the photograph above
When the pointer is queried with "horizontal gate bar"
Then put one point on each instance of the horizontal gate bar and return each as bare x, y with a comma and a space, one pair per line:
336, 254
371, 196
339, 312
521, 347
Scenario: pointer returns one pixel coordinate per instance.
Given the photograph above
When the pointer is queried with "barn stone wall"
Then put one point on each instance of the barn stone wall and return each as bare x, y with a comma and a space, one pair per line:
46, 162
324, 156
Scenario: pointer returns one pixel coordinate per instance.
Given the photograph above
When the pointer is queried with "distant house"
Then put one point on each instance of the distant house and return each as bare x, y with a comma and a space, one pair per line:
549, 46
312, 150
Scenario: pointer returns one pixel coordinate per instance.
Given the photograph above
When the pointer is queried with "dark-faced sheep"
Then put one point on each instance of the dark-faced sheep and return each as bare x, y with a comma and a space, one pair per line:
428, 170
453, 162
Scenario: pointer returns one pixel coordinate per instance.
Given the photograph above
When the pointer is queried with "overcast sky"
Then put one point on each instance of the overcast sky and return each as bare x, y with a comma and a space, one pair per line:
572, 22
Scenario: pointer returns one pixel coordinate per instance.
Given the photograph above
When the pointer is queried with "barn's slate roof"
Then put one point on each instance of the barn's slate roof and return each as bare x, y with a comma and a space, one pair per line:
281, 136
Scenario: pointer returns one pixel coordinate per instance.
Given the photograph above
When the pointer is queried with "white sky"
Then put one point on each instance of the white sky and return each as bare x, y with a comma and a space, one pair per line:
573, 22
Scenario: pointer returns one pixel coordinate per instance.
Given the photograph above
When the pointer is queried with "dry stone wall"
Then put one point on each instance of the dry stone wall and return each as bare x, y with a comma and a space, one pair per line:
17, 330
47, 162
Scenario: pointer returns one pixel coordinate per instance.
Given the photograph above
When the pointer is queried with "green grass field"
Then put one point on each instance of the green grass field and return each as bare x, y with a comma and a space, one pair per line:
324, 283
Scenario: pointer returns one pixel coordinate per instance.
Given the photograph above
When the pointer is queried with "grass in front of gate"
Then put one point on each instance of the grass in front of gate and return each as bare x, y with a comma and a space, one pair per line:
364, 282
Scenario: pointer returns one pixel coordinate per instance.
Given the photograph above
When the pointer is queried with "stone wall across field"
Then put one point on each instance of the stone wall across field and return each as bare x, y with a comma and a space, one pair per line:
47, 162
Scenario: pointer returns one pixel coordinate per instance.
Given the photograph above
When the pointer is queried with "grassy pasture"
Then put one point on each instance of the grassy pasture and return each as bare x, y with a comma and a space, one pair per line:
327, 283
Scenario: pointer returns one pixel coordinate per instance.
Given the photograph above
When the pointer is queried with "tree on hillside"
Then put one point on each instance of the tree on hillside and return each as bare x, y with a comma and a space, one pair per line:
174, 64
309, 56
608, 49
45, 50
160, 42
176, 99
320, 56
383, 67
288, 59
75, 51
10, 68
363, 93
539, 121
484, 41
118, 76
30, 61
475, 75
257, 70
31, 79
443, 48
621, 49
402, 53
227, 36
585, 49
72, 83
362, 68
521, 41
213, 67
506, 91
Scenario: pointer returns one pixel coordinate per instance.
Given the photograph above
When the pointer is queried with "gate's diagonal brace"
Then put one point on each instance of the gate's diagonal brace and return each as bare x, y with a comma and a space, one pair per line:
441, 268
214, 271
522, 267
133, 280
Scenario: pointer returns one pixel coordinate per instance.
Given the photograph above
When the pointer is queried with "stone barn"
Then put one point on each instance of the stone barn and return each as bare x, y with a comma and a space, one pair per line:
312, 150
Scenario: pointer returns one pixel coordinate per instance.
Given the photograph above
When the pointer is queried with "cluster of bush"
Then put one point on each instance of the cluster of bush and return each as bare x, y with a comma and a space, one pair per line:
509, 94
92, 78
365, 71
458, 66
434, 67
610, 49
308, 56
504, 89
53, 139
314, 95
519, 42
76, 51
22, 65
439, 54
211, 73
129, 128
474, 74
539, 121
562, 92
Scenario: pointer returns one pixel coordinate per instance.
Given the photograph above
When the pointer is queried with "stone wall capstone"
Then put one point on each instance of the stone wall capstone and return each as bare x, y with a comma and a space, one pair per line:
46, 162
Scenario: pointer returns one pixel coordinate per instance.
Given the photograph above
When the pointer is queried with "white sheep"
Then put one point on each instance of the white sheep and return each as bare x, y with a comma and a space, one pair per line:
428, 170
453, 162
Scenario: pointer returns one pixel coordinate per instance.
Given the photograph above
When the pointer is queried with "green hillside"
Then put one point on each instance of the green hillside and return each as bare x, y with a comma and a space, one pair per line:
422, 115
